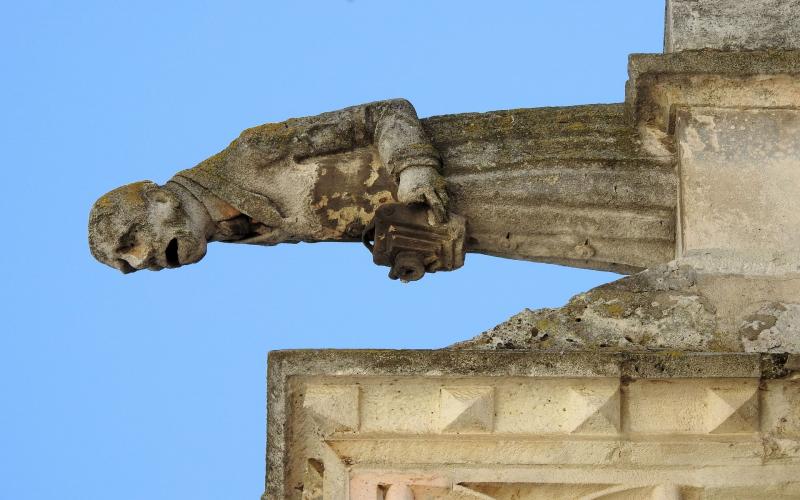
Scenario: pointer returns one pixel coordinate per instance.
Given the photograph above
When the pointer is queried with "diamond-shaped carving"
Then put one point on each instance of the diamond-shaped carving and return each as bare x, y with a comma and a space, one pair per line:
467, 409
334, 407
732, 409
594, 410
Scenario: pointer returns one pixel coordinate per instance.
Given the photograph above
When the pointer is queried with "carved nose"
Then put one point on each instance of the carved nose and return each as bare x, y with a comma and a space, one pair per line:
133, 261
135, 256
124, 266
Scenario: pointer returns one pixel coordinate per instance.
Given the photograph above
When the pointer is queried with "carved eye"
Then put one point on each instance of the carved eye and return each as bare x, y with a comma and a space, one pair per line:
161, 198
158, 196
127, 241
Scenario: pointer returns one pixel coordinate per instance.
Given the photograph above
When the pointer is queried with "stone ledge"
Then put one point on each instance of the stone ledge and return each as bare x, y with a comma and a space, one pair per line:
648, 71
521, 362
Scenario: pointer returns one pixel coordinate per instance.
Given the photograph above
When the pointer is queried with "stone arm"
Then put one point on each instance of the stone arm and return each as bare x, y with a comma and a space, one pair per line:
393, 128
398, 134
238, 173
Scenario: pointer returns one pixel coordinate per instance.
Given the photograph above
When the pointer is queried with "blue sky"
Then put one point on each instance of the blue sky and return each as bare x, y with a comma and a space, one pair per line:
151, 386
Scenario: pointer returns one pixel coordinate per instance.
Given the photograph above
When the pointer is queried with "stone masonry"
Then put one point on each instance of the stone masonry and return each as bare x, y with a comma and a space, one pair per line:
681, 381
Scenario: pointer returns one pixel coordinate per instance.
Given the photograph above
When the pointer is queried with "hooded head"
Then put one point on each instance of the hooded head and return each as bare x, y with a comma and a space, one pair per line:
144, 226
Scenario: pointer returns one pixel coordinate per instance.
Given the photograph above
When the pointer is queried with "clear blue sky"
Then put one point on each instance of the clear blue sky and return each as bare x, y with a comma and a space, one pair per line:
151, 386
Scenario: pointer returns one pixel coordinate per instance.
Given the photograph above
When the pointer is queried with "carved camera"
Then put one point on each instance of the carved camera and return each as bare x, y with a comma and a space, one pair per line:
406, 241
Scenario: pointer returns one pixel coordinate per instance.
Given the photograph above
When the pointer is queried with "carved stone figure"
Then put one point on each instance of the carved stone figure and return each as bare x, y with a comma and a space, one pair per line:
574, 186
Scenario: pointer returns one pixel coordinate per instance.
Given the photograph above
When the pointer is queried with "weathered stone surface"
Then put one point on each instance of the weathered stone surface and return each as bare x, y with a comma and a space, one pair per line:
655, 309
732, 24
736, 283
573, 186
562, 425
740, 189
738, 156
775, 327
667, 308
305, 179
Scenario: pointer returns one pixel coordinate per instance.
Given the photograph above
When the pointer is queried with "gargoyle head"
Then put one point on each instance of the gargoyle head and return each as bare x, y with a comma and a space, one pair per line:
144, 226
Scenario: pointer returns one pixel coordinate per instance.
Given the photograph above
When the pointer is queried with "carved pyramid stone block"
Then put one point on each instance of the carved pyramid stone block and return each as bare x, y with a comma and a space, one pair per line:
334, 407
732, 409
467, 409
595, 410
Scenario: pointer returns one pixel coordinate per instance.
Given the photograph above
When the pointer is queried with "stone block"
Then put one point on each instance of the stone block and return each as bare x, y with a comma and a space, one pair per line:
467, 409
732, 24
740, 189
333, 406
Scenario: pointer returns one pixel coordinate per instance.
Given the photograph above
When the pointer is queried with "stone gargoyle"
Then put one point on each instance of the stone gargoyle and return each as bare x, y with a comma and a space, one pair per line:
575, 186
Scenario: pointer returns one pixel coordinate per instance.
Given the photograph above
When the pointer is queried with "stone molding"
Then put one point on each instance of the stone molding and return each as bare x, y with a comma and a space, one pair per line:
493, 424
657, 83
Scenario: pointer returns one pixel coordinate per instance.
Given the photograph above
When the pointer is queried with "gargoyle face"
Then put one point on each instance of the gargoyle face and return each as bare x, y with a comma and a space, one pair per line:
143, 226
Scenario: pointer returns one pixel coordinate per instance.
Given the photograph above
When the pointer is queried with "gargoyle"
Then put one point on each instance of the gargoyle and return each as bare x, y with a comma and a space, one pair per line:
573, 186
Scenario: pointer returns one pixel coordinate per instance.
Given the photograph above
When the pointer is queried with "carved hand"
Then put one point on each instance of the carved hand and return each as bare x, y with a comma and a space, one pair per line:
424, 185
